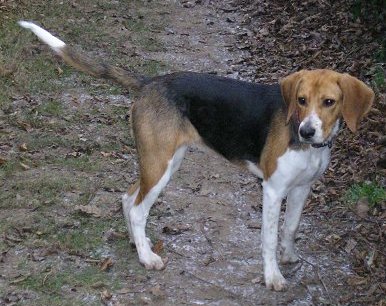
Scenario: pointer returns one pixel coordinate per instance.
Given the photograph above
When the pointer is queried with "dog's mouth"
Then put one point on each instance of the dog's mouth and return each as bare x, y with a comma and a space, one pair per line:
318, 143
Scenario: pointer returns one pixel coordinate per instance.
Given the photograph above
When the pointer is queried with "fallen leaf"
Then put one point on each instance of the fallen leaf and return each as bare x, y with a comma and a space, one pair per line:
73, 154
157, 291
89, 210
351, 244
333, 238
257, 280
158, 247
106, 296
25, 126
106, 264
362, 207
98, 285
176, 229
356, 280
106, 154
3, 160
23, 147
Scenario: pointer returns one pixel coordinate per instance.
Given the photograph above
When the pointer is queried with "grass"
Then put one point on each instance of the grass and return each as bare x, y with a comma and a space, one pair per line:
87, 238
379, 77
51, 107
375, 194
9, 168
25, 189
83, 163
54, 283
41, 109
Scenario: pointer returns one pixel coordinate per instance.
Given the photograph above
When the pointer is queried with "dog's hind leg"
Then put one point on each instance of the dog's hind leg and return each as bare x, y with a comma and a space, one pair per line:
151, 184
161, 148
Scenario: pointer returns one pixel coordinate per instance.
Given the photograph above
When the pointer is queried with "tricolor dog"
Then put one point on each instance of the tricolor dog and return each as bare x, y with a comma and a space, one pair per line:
281, 132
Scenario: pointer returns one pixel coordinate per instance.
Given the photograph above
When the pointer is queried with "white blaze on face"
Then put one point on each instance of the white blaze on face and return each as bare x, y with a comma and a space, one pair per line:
313, 121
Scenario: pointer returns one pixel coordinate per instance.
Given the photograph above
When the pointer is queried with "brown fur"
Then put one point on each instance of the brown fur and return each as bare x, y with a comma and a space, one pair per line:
86, 64
357, 100
353, 97
158, 127
159, 131
275, 146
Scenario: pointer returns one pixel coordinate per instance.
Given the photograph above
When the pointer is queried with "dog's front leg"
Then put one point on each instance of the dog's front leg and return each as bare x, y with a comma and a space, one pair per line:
271, 211
295, 203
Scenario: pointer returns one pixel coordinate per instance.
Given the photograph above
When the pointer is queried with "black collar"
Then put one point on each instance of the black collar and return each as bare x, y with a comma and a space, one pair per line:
323, 144
327, 143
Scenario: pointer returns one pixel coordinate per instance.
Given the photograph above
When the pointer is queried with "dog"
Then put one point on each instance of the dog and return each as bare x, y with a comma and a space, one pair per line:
282, 133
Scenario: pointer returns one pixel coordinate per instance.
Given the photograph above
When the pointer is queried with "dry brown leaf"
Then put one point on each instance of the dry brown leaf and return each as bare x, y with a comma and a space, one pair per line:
158, 247
98, 285
176, 229
23, 147
25, 126
3, 160
362, 207
73, 154
157, 291
106, 296
106, 154
356, 280
89, 210
106, 264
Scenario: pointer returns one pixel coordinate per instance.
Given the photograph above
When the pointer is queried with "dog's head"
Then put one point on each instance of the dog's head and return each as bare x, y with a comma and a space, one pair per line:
317, 99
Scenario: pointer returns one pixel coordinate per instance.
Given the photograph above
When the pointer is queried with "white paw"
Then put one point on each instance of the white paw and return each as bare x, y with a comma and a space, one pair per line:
153, 262
288, 257
275, 281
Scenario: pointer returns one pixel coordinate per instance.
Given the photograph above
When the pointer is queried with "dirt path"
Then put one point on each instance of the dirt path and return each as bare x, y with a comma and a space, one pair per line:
57, 239
213, 209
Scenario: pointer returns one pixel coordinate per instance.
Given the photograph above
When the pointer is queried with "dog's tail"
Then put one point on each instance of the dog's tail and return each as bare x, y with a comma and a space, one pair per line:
83, 62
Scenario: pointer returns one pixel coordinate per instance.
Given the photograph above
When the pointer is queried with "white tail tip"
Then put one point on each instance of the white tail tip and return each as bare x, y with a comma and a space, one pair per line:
55, 43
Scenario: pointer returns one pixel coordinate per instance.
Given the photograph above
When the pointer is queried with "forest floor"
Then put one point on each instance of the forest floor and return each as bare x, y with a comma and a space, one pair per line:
67, 156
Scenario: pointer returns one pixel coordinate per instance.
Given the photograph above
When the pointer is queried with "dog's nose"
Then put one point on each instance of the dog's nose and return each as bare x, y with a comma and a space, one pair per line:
307, 131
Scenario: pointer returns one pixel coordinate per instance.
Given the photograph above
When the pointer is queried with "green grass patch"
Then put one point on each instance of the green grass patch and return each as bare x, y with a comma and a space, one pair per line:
53, 282
41, 189
153, 68
51, 108
9, 168
82, 163
379, 77
86, 239
45, 140
373, 192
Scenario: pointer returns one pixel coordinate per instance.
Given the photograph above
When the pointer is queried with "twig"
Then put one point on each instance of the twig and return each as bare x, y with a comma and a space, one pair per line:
46, 276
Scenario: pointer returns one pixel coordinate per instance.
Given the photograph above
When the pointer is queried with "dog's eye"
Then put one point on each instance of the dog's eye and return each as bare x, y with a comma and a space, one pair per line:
302, 101
328, 102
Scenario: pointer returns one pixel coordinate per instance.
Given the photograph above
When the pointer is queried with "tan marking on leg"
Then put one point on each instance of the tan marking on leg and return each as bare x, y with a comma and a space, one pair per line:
133, 188
159, 130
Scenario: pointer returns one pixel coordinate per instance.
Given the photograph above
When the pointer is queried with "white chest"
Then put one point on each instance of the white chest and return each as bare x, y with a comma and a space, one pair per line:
302, 167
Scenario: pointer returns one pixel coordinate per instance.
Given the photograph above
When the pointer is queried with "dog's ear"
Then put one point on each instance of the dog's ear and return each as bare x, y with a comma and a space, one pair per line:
289, 87
357, 100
